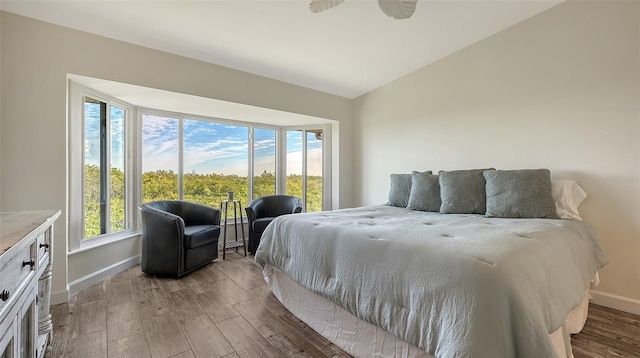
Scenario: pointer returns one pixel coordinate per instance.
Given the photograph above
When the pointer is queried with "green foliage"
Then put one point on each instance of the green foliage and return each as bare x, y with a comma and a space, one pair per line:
91, 201
210, 189
206, 189
116, 200
264, 184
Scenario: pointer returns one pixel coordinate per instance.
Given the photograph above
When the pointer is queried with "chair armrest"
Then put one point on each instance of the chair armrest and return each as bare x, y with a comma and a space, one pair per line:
161, 220
251, 214
162, 241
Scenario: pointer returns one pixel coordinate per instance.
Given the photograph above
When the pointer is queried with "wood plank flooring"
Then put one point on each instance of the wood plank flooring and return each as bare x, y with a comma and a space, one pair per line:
226, 310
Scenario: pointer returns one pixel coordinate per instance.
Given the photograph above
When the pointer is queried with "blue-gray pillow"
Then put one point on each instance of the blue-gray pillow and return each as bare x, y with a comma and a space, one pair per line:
425, 192
462, 192
519, 194
400, 189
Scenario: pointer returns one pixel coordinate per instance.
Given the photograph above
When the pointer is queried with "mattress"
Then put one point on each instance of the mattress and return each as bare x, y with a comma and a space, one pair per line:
362, 339
451, 285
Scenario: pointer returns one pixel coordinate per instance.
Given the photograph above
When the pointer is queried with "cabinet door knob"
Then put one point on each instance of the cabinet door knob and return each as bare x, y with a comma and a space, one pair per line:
30, 263
46, 246
4, 295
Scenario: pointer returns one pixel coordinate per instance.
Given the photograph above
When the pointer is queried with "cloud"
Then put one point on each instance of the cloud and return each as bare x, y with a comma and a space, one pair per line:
199, 129
159, 143
264, 163
219, 148
216, 158
92, 135
314, 162
259, 145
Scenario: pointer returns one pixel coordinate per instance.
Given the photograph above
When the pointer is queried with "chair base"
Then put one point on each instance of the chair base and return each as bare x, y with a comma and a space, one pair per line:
254, 241
195, 258
200, 256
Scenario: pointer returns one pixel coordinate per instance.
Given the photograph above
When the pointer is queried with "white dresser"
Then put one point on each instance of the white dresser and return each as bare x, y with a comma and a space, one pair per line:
26, 244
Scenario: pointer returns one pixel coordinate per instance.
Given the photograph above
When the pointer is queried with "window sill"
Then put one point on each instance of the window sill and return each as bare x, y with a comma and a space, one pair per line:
103, 240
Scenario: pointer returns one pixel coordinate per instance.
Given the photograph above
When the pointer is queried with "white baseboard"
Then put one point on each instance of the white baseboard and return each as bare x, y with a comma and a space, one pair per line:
621, 303
59, 297
90, 280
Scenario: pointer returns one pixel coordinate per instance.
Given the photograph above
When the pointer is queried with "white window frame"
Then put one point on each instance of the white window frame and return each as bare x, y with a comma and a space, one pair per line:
77, 242
278, 135
326, 162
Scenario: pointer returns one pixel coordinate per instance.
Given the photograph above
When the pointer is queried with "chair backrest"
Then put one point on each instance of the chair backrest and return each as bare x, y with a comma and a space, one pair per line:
191, 213
276, 205
171, 206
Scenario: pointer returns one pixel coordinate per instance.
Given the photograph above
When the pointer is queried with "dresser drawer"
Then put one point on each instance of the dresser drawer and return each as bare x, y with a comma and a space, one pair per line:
43, 246
14, 275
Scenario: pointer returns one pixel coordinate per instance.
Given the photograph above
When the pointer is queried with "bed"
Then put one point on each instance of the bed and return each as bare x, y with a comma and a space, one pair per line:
391, 281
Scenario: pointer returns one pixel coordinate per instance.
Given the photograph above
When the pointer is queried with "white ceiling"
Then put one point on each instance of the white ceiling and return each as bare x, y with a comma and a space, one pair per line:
347, 51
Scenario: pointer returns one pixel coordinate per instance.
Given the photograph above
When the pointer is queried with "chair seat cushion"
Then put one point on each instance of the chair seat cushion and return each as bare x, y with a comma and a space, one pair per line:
198, 235
260, 224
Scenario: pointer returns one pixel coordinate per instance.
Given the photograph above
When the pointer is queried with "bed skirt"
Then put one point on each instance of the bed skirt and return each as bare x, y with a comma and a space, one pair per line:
362, 339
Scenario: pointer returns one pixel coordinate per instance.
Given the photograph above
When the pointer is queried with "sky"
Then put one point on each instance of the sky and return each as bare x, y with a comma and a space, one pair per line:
208, 147
92, 135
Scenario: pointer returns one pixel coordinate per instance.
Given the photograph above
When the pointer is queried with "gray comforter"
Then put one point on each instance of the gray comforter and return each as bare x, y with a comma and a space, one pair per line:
452, 285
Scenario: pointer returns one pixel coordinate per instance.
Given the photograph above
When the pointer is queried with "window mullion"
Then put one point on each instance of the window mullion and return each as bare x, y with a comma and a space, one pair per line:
130, 174
108, 167
281, 161
251, 162
104, 173
304, 169
281, 170
181, 158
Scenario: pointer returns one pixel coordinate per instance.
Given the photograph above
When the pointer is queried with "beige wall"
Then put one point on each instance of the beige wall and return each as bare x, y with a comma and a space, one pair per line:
559, 91
35, 58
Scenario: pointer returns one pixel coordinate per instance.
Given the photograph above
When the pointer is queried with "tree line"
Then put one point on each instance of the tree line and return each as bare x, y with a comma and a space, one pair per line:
206, 189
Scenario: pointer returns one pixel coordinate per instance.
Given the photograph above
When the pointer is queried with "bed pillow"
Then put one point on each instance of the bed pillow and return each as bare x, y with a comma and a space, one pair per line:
567, 195
519, 194
462, 191
425, 192
400, 189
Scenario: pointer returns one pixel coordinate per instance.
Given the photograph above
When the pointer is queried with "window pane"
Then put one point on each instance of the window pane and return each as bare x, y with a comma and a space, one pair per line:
216, 161
314, 171
294, 163
264, 165
116, 179
92, 166
160, 158
104, 184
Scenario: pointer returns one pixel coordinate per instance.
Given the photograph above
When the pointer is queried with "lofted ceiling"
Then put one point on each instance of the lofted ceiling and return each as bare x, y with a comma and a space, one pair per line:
347, 51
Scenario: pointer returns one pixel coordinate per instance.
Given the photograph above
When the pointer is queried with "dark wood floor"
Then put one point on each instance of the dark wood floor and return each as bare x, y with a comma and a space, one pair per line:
226, 310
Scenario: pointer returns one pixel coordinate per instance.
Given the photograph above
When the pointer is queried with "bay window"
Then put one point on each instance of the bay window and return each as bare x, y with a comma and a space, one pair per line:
122, 156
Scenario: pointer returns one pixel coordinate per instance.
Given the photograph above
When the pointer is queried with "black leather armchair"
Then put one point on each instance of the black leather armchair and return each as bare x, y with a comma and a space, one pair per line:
178, 236
263, 210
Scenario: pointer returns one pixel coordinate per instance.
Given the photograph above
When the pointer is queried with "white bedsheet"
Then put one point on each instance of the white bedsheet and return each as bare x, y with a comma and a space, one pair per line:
362, 339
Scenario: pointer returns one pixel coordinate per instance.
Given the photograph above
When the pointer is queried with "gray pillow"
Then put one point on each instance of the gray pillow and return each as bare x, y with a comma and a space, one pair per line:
519, 194
425, 192
462, 191
400, 189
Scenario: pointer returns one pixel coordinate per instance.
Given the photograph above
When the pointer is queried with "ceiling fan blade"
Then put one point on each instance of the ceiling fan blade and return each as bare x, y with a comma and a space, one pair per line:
398, 9
317, 6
